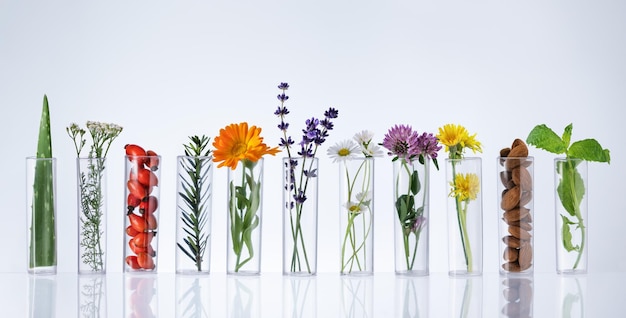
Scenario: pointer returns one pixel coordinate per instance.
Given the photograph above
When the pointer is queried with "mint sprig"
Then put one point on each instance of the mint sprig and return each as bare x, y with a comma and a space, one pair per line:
545, 138
571, 189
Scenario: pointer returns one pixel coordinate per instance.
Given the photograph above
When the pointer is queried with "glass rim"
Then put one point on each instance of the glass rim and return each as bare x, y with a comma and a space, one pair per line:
517, 158
465, 158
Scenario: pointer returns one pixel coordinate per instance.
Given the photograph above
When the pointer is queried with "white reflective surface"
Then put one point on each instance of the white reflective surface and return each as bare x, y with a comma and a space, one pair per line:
326, 295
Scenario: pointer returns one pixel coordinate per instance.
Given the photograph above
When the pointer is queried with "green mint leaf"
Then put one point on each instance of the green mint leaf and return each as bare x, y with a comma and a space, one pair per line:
590, 150
567, 235
567, 135
544, 138
571, 188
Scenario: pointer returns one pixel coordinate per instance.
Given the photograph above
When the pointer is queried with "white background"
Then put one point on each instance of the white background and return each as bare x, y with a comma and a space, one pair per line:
166, 70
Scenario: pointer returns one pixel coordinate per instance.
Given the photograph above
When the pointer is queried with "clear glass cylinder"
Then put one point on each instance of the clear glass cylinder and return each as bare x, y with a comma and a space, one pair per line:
300, 202
41, 212
140, 295
356, 195
193, 296
92, 207
515, 186
411, 206
92, 296
300, 297
570, 180
465, 216
194, 199
466, 297
141, 202
516, 296
245, 207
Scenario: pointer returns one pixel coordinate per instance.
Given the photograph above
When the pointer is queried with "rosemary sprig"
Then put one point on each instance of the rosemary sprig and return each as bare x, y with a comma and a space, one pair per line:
194, 195
91, 192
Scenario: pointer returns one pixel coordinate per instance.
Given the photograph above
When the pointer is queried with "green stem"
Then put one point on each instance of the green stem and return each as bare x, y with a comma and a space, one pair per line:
461, 218
577, 212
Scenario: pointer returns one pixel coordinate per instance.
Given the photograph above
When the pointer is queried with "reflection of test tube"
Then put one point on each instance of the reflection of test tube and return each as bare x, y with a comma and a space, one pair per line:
42, 294
92, 300
517, 297
193, 295
299, 297
357, 296
140, 296
243, 296
572, 297
466, 295
411, 297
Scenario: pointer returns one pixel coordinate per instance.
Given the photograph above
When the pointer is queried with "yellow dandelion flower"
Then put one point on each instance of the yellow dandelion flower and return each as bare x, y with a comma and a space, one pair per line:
456, 138
465, 186
237, 142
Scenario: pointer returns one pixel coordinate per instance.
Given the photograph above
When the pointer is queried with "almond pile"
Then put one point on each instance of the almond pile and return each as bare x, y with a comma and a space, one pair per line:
517, 218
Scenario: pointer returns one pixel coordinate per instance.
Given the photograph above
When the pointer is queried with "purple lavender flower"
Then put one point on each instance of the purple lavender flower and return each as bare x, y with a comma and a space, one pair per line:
331, 113
283, 86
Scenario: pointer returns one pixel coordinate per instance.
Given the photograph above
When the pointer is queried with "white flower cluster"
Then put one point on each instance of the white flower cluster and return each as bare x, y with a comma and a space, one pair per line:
349, 148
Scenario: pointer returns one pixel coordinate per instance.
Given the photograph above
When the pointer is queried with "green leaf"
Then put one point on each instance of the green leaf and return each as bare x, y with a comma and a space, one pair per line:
590, 150
544, 138
567, 235
571, 188
567, 135
415, 183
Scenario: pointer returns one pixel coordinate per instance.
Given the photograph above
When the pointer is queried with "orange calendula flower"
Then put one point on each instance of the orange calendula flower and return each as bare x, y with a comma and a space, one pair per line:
238, 142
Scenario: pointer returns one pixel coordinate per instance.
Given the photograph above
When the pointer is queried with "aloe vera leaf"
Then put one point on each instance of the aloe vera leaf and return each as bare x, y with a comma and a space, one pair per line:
43, 236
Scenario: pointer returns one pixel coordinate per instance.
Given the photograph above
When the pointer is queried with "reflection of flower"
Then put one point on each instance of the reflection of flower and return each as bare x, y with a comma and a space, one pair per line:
407, 145
91, 197
464, 187
359, 197
238, 143
313, 135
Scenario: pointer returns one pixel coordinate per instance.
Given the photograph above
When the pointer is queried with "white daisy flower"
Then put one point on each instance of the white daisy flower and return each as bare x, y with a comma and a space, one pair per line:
363, 137
364, 197
343, 150
372, 150
354, 207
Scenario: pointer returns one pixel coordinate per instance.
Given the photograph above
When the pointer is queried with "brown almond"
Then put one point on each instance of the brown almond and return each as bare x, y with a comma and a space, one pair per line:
525, 257
518, 149
510, 254
515, 214
512, 241
521, 177
528, 218
519, 232
505, 177
511, 267
504, 152
525, 197
510, 199
525, 225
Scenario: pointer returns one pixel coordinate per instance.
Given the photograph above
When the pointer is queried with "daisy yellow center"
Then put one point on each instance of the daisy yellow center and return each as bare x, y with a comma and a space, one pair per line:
354, 208
343, 152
